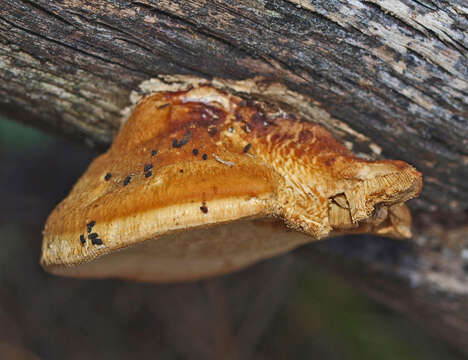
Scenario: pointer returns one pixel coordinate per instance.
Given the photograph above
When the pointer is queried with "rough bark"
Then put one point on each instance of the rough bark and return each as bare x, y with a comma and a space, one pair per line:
394, 71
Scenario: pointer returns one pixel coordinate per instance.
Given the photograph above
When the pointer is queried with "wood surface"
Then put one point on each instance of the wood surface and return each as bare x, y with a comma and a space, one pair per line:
393, 71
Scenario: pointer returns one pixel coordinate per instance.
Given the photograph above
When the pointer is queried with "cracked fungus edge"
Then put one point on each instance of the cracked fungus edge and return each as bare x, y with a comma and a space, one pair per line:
263, 90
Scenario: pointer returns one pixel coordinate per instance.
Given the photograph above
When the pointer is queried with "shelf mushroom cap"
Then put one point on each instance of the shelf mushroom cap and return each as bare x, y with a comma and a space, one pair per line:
202, 182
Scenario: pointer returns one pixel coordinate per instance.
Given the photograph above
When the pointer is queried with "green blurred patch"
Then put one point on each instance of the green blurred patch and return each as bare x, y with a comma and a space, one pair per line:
11, 236
325, 306
16, 136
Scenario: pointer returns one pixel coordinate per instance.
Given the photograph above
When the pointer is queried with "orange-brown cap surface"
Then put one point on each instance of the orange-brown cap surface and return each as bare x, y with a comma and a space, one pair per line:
196, 181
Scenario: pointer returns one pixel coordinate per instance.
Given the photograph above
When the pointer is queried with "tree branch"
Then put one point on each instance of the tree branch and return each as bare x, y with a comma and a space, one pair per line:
393, 71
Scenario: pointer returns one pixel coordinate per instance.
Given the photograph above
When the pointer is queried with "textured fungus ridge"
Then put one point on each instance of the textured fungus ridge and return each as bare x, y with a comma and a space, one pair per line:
189, 160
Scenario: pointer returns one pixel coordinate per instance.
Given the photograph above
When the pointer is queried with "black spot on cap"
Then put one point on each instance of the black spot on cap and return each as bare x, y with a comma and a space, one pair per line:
147, 167
154, 152
90, 225
93, 236
185, 139
148, 174
204, 209
96, 241
205, 156
127, 180
212, 130
108, 176
195, 152
82, 239
163, 106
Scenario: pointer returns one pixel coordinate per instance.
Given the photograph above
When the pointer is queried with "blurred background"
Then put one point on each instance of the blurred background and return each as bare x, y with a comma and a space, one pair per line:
289, 307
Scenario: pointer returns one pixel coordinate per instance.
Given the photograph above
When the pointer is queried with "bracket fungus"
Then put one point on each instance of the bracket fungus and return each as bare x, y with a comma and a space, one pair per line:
202, 182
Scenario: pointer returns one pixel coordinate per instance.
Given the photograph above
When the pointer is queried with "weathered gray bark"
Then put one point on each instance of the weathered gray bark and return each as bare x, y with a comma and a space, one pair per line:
394, 71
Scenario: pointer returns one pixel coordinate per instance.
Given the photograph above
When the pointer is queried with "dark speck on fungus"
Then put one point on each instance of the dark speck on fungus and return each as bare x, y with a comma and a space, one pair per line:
185, 139
147, 167
148, 174
96, 241
212, 130
93, 236
154, 152
82, 239
90, 225
195, 152
205, 156
108, 176
127, 180
247, 147
163, 106
204, 209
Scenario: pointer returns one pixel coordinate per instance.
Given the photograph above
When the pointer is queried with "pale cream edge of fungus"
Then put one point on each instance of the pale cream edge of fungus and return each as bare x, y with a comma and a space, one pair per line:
66, 249
137, 261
